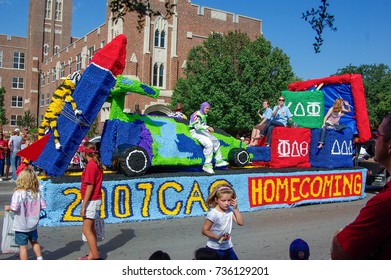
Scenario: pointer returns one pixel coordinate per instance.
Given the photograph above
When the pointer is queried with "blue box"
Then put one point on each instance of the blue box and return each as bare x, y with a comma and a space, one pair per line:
337, 149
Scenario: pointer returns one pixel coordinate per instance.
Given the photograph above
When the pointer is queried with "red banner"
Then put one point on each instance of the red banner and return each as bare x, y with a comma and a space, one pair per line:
295, 188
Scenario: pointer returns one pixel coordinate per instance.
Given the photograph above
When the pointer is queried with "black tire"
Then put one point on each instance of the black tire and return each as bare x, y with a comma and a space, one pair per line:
133, 161
238, 157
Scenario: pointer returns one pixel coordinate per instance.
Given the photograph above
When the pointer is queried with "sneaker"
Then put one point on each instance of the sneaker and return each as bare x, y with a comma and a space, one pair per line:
221, 163
1, 180
208, 169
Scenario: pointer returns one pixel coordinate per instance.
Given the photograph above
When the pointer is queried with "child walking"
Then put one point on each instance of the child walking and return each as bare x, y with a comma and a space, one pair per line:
91, 193
218, 223
27, 201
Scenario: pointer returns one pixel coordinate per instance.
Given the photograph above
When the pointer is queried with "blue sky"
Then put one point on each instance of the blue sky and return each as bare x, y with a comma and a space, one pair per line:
363, 35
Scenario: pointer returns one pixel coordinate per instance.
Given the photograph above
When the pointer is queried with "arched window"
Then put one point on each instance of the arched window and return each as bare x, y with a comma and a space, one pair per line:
45, 49
48, 9
58, 10
156, 42
161, 75
154, 78
162, 39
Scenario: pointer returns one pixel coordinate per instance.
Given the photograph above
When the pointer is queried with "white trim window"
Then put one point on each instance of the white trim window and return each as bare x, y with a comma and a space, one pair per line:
90, 53
158, 75
17, 83
1, 58
45, 49
78, 62
48, 9
62, 70
18, 60
54, 74
42, 100
58, 10
47, 98
17, 101
14, 120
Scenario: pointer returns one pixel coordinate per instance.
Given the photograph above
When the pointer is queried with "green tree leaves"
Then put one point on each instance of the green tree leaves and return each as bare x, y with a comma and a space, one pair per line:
234, 74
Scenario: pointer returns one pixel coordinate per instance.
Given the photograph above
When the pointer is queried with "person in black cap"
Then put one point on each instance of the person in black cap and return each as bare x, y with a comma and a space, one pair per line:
299, 250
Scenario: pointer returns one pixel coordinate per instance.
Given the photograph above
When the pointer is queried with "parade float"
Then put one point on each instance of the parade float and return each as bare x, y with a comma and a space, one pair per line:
154, 166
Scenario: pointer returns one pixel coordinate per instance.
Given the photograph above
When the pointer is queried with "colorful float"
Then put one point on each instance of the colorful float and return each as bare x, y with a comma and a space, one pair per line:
153, 164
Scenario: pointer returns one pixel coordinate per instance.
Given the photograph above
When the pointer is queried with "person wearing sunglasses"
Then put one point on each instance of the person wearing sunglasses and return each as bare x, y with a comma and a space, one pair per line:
369, 235
280, 117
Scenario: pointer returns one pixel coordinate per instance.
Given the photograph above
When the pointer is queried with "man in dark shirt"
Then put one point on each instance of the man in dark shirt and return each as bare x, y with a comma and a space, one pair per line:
369, 235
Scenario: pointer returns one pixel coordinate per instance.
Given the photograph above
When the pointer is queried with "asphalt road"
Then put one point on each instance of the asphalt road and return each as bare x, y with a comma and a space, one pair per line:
266, 234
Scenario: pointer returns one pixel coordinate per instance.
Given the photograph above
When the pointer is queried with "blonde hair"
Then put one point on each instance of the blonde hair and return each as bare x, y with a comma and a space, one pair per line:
217, 192
337, 106
95, 155
27, 180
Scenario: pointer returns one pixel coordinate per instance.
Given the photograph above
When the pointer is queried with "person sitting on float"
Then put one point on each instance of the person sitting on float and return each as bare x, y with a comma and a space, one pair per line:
267, 115
280, 117
200, 130
331, 119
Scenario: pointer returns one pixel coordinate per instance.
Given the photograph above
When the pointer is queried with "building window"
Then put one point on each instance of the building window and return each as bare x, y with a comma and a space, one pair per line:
17, 83
18, 60
160, 38
62, 70
158, 75
156, 38
42, 101
1, 59
90, 53
56, 49
70, 66
17, 102
14, 120
54, 73
48, 9
161, 75
1, 81
78, 62
47, 98
102, 44
58, 11
154, 76
45, 49
42, 79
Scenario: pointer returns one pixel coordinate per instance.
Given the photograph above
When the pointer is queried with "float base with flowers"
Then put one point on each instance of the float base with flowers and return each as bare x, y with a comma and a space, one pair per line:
181, 195
297, 172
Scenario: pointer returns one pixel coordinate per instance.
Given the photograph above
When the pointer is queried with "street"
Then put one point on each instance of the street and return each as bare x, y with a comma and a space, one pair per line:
266, 234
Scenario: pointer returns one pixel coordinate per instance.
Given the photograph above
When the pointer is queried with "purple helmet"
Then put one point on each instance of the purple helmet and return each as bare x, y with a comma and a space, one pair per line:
203, 106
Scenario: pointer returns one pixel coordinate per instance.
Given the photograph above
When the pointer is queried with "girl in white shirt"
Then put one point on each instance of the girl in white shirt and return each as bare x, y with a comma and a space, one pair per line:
27, 202
218, 224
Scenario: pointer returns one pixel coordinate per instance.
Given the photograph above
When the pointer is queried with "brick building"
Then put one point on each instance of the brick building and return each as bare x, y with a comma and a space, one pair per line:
31, 68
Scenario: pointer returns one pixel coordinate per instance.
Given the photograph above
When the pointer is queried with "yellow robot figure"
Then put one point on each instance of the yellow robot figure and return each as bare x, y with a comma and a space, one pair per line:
62, 94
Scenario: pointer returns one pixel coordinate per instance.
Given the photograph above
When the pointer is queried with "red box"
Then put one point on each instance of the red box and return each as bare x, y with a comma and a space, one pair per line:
290, 147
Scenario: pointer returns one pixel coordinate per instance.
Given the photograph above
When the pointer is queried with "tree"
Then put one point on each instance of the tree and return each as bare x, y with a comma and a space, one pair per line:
319, 19
377, 86
27, 121
120, 8
234, 74
3, 119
